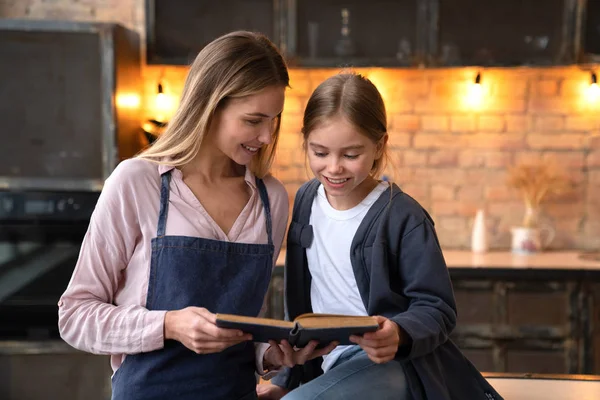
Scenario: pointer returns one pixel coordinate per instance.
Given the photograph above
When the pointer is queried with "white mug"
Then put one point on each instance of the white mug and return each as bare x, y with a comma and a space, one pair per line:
531, 240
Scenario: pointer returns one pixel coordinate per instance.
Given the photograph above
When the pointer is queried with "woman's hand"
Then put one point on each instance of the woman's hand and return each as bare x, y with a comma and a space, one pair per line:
283, 354
382, 345
268, 391
196, 329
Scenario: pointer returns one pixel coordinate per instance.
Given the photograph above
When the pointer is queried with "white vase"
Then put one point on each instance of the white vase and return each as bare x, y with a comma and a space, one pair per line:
479, 239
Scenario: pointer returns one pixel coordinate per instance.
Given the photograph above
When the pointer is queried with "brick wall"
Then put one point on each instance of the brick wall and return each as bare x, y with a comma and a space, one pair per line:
450, 155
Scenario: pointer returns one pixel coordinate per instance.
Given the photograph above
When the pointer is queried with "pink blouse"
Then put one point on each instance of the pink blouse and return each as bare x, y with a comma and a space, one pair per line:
103, 308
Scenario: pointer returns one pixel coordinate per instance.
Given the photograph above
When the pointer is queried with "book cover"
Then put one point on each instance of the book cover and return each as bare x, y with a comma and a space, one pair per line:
325, 328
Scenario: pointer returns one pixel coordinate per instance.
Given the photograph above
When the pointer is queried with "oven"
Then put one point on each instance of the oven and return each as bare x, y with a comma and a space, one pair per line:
70, 111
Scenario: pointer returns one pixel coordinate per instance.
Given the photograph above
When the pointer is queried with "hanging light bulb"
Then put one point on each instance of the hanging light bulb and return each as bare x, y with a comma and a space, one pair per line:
475, 95
162, 103
593, 91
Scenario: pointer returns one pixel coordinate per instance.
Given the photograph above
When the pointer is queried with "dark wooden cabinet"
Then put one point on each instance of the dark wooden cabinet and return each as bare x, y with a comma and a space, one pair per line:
386, 33
178, 29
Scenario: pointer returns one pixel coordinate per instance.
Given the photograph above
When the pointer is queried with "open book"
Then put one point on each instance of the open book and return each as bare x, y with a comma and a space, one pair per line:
325, 328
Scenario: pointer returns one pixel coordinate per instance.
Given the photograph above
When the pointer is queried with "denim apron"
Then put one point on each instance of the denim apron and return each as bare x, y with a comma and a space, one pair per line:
223, 277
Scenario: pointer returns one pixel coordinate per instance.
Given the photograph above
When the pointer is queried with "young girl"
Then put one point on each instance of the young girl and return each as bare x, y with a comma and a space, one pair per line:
189, 228
362, 247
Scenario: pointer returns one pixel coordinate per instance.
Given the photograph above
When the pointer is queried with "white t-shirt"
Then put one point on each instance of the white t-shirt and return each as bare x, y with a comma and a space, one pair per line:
333, 288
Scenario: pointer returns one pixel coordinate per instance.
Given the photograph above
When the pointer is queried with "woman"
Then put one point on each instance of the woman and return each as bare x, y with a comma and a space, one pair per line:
189, 228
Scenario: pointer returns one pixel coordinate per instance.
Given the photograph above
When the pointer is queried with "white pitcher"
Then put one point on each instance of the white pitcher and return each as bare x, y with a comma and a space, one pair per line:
531, 240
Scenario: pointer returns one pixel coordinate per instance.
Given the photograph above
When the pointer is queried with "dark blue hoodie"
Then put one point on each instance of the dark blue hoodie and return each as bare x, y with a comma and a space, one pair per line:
401, 274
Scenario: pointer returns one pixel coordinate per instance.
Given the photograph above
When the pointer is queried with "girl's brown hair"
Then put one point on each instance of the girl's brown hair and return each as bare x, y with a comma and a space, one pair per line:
356, 98
235, 65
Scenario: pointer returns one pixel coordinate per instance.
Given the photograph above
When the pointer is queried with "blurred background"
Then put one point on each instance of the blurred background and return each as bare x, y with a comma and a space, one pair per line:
493, 116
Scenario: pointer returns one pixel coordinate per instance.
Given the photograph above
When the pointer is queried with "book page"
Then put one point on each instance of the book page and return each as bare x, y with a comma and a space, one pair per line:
334, 321
240, 319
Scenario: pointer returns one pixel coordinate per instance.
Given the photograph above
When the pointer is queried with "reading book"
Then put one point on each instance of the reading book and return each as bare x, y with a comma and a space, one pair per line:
325, 328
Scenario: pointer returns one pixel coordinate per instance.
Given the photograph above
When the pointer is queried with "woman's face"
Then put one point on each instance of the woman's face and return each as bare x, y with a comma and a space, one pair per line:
243, 125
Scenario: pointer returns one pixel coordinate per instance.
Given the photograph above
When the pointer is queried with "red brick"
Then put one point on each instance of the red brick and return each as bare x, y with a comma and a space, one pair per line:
406, 122
399, 105
419, 192
443, 158
517, 123
443, 192
446, 88
509, 87
549, 123
545, 88
436, 105
434, 123
291, 141
498, 159
484, 177
557, 210
496, 141
412, 88
453, 208
491, 123
527, 157
559, 141
593, 142
594, 177
593, 160
462, 123
300, 84
505, 105
295, 104
441, 140
291, 174
575, 159
511, 210
451, 176
453, 224
499, 193
470, 193
399, 139
471, 158
577, 123
574, 87
413, 158
552, 105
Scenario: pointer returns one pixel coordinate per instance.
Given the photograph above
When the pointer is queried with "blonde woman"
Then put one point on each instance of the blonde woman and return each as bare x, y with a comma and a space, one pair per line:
189, 228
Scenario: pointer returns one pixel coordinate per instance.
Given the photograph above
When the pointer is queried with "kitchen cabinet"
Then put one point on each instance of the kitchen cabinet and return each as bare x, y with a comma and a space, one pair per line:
383, 33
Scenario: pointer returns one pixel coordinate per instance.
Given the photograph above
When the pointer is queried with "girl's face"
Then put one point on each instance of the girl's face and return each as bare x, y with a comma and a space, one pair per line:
245, 124
341, 157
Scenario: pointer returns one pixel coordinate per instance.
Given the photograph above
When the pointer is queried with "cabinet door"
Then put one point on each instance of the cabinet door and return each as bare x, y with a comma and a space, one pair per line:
334, 33
512, 326
178, 29
508, 32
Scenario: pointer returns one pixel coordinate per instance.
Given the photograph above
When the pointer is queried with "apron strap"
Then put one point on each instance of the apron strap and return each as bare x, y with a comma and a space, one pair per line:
264, 196
164, 203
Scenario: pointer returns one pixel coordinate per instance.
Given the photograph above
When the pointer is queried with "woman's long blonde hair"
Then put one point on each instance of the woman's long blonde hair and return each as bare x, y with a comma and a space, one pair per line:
237, 64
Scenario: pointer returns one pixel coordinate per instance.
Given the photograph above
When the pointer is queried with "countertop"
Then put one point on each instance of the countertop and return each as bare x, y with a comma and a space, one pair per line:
556, 264
506, 259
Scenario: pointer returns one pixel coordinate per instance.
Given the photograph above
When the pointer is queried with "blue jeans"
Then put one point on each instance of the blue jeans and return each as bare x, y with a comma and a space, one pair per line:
355, 376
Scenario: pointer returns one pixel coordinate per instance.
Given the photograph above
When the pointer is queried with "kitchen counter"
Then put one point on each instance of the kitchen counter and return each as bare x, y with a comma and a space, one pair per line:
555, 263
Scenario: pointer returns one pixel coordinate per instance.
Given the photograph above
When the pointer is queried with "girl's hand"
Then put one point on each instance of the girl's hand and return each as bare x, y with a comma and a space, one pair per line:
268, 391
382, 345
196, 329
283, 354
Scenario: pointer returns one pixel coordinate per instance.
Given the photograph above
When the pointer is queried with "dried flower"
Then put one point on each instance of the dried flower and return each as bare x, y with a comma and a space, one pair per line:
536, 181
